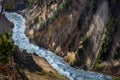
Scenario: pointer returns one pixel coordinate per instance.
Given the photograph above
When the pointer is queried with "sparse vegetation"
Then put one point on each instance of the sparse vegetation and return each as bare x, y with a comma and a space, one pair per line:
117, 78
6, 61
105, 47
97, 65
10, 5
106, 44
6, 47
31, 2
49, 20
83, 44
55, 14
85, 40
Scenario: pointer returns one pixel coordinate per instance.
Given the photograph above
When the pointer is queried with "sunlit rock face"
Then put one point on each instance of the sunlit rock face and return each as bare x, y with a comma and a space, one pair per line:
55, 61
62, 31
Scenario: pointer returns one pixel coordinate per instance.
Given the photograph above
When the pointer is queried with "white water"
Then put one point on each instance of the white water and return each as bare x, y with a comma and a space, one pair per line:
55, 61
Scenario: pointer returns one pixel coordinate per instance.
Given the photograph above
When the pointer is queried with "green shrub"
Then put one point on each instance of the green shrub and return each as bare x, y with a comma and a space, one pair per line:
117, 78
9, 6
85, 40
6, 47
31, 2
106, 44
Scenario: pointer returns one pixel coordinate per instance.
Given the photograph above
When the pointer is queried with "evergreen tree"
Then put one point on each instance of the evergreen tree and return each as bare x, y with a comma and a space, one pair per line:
6, 47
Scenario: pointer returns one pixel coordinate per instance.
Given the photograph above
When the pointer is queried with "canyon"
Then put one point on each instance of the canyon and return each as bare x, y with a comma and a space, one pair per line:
84, 33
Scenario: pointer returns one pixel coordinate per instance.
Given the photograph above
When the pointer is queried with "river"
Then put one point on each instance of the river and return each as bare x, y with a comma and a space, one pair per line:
55, 61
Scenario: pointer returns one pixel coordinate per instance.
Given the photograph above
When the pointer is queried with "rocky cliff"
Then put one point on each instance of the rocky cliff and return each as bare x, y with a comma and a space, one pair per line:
84, 32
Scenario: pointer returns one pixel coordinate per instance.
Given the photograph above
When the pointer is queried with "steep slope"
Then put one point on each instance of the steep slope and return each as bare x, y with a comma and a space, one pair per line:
63, 30
96, 32
55, 61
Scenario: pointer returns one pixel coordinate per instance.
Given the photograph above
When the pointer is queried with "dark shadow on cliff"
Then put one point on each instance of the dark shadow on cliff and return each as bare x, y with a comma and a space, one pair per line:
25, 61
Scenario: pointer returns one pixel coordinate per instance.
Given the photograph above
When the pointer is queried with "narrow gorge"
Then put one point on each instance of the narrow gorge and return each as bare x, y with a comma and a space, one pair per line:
77, 38
63, 68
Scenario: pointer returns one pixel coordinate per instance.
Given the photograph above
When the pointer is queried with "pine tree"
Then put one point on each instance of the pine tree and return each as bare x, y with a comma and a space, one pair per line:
6, 47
